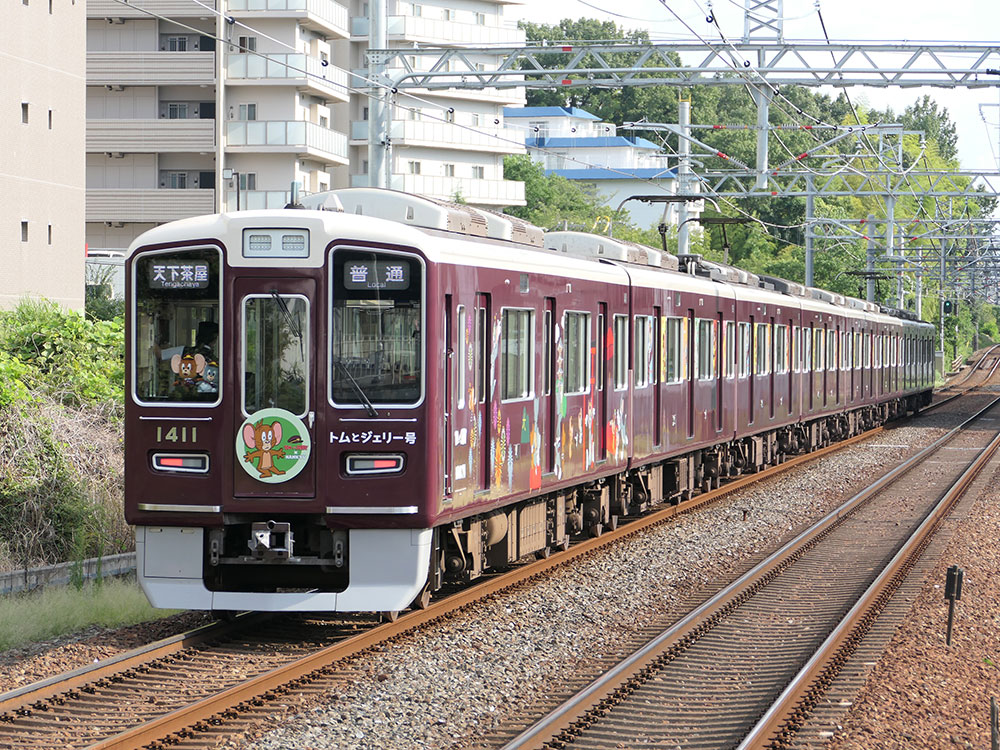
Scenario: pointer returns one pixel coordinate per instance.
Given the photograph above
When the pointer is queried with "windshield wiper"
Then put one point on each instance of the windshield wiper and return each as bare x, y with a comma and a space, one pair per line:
369, 407
290, 319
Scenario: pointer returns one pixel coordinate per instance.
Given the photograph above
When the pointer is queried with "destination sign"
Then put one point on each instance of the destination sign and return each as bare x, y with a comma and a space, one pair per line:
377, 274
178, 274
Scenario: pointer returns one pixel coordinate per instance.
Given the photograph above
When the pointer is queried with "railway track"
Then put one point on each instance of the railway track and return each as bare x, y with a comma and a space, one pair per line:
224, 677
747, 668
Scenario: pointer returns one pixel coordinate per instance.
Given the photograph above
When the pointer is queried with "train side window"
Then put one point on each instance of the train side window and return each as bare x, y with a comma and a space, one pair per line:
817, 350
547, 352
482, 352
744, 349
602, 353
640, 350
705, 350
460, 355
516, 350
577, 328
621, 351
729, 349
796, 351
781, 349
763, 349
831, 349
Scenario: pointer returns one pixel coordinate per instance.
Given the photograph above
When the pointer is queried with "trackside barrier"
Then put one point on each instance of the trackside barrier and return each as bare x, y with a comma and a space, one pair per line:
63, 573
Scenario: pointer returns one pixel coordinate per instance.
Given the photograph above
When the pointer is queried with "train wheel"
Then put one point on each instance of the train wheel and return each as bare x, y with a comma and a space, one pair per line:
564, 544
225, 615
423, 600
389, 616
544, 553
596, 530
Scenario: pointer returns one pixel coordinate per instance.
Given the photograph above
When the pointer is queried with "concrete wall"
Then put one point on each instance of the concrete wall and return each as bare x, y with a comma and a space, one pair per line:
42, 189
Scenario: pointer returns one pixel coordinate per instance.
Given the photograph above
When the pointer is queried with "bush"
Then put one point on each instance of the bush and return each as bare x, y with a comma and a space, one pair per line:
61, 464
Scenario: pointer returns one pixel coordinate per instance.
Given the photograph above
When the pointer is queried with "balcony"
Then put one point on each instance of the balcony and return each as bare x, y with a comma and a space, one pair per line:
304, 139
258, 199
288, 70
448, 136
441, 33
151, 136
147, 205
150, 68
476, 192
134, 9
324, 16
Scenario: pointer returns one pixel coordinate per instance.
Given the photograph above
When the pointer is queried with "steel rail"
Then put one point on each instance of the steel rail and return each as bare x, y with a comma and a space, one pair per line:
602, 691
780, 721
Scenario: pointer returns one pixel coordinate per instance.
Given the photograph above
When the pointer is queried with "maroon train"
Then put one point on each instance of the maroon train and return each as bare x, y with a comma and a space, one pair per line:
341, 409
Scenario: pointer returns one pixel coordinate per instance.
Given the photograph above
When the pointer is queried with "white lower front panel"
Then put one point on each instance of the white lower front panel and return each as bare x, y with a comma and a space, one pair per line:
388, 568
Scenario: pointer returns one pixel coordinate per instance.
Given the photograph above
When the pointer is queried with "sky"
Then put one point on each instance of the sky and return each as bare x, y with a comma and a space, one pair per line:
845, 20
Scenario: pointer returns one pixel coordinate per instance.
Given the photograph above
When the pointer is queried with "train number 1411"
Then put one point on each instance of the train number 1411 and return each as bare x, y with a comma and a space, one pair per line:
177, 435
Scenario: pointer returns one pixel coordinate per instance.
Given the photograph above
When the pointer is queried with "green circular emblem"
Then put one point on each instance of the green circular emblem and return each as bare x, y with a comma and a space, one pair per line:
273, 445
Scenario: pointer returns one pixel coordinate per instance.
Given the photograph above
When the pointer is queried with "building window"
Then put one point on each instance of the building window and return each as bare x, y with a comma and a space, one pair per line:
481, 19
476, 119
177, 180
478, 173
324, 122
247, 43
364, 166
449, 170
177, 44
24, 112
50, 119
24, 224
248, 111
418, 10
413, 167
448, 14
248, 180
364, 114
50, 234
177, 111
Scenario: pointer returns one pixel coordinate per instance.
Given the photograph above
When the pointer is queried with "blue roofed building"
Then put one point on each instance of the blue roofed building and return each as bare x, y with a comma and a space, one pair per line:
577, 145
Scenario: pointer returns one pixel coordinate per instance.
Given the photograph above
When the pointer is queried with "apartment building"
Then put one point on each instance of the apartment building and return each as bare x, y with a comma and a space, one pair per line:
445, 144
577, 145
196, 106
42, 129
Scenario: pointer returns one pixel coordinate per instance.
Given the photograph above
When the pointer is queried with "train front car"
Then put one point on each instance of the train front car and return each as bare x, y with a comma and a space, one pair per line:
275, 430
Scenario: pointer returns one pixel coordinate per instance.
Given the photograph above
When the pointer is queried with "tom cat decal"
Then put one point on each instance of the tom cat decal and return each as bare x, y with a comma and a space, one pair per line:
273, 445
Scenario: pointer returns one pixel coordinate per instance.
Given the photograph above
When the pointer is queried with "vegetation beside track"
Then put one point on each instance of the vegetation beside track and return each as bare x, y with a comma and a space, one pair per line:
54, 611
62, 383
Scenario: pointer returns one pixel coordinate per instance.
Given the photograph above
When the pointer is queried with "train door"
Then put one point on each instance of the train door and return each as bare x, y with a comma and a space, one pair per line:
689, 371
720, 370
547, 407
602, 382
275, 388
655, 375
484, 358
451, 346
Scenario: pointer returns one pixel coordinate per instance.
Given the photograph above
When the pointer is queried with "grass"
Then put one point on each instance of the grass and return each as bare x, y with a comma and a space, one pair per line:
58, 610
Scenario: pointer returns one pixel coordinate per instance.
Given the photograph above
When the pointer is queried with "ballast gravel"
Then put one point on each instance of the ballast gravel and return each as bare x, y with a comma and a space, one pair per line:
453, 684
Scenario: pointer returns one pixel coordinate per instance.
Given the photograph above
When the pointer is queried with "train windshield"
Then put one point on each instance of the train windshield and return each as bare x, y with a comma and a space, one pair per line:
376, 335
176, 326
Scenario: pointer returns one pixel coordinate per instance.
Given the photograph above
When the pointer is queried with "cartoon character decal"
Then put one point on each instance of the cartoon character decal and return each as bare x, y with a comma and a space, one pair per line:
273, 445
